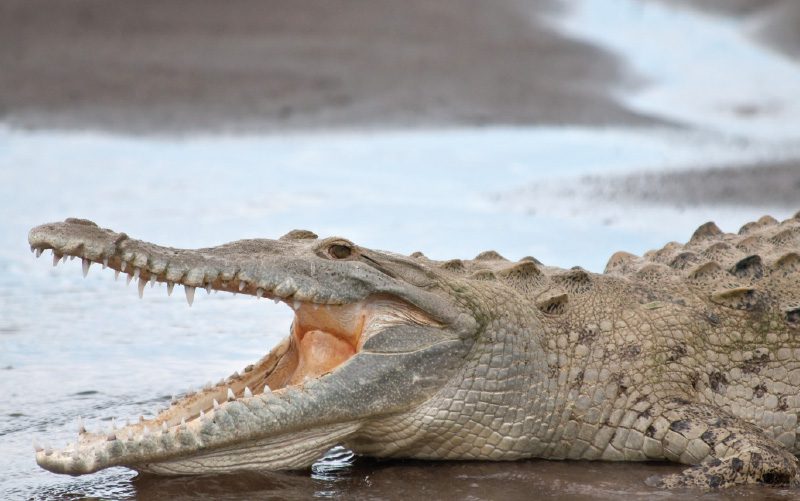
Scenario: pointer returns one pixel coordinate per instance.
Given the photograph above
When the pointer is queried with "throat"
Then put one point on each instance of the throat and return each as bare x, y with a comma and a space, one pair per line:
320, 352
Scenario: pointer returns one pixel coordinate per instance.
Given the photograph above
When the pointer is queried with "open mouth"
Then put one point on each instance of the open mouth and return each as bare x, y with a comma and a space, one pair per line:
323, 338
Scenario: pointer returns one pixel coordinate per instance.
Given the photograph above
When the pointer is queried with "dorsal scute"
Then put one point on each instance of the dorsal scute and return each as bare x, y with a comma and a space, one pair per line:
621, 261
788, 262
790, 237
740, 298
684, 260
299, 235
751, 267
705, 271
746, 258
454, 265
705, 231
521, 270
489, 255
575, 280
483, 275
553, 304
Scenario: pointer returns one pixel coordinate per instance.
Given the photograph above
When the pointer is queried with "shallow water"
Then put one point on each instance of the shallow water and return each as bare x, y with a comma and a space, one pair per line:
74, 347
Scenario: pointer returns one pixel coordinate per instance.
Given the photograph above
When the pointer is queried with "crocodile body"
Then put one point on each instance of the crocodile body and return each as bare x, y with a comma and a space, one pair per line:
690, 354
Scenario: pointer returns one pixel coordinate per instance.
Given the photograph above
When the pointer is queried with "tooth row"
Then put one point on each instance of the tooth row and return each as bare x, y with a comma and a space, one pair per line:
115, 433
132, 265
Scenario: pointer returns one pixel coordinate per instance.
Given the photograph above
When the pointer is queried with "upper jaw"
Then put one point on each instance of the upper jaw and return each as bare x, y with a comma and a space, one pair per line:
295, 270
262, 268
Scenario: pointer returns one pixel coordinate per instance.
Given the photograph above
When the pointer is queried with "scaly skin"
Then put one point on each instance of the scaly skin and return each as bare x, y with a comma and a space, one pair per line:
688, 354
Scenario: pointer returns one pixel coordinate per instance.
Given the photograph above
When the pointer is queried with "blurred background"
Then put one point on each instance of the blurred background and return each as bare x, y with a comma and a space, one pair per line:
566, 130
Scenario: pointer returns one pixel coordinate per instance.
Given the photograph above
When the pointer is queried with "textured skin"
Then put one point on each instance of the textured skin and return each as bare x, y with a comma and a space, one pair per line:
690, 354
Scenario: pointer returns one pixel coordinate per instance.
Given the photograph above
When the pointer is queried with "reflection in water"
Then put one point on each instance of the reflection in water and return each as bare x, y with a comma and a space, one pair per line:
364, 478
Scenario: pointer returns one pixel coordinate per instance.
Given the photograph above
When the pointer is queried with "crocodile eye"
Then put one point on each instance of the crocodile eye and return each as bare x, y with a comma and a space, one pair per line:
339, 251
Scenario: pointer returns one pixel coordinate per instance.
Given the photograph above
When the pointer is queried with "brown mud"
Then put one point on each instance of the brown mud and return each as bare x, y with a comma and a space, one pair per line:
181, 66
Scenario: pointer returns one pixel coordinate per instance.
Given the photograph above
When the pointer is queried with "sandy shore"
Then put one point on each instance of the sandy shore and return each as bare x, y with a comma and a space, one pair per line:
179, 65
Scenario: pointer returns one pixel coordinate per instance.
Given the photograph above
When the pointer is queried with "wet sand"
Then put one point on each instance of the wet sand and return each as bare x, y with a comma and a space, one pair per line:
250, 65
775, 185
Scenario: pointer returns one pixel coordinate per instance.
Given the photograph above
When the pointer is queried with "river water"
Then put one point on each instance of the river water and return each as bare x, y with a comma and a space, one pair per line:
89, 347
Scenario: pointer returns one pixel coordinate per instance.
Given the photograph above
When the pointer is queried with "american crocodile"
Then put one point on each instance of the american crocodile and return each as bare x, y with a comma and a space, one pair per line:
690, 353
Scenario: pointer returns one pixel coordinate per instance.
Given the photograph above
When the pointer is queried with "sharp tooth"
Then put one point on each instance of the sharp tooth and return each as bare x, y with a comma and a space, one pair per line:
242, 285
85, 263
276, 300
231, 396
259, 292
295, 304
122, 265
81, 428
116, 275
64, 259
37, 252
128, 279
152, 280
141, 284
56, 258
189, 294
164, 426
136, 272
170, 286
216, 404
71, 258
267, 389
208, 288
247, 392
33, 249
105, 263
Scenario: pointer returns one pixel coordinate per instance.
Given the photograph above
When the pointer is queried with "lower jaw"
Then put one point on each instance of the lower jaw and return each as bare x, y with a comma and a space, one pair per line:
288, 451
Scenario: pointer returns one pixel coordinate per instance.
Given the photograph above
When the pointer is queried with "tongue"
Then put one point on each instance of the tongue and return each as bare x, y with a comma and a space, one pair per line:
320, 352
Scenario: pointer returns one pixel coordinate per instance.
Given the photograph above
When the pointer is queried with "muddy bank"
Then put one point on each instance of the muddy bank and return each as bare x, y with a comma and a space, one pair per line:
178, 65
776, 185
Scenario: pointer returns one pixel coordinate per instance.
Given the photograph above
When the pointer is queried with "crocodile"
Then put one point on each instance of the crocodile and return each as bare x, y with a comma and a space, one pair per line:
689, 354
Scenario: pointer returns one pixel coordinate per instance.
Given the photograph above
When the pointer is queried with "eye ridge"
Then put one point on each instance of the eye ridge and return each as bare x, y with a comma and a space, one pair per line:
340, 251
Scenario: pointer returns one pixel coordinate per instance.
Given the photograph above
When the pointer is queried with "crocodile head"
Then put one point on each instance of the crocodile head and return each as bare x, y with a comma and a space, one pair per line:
375, 334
